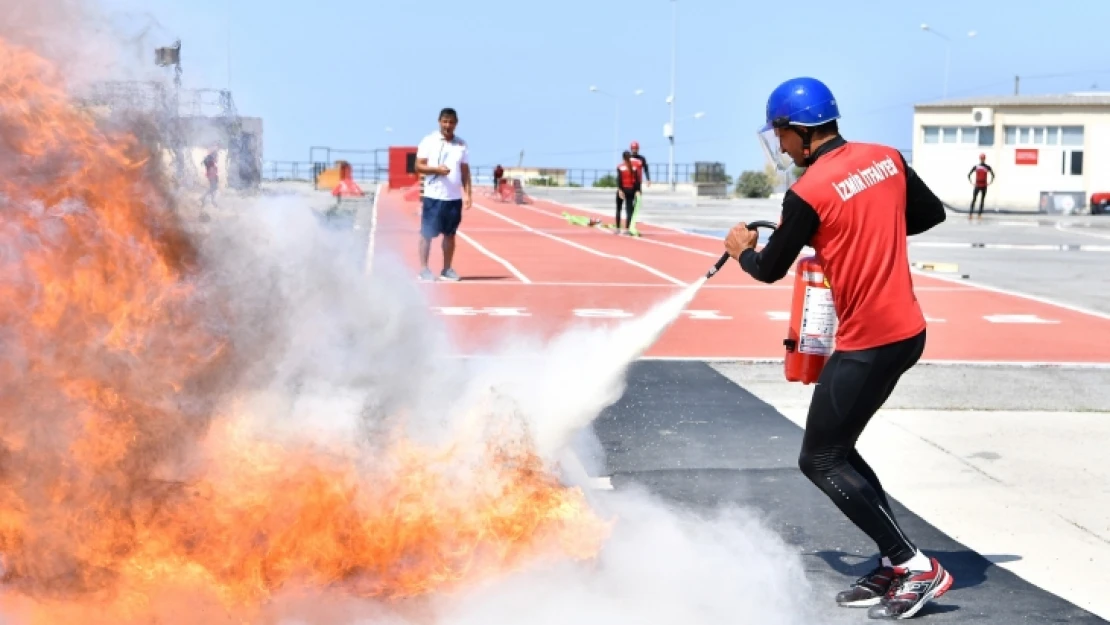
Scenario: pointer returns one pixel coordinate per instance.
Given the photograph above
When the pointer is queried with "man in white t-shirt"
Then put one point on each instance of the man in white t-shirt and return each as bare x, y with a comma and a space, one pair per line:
444, 160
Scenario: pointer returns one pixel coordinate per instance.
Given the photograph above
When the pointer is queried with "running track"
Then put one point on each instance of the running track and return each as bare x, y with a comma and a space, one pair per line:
525, 269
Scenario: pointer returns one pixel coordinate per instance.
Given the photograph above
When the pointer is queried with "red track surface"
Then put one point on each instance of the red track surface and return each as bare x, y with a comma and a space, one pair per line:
563, 275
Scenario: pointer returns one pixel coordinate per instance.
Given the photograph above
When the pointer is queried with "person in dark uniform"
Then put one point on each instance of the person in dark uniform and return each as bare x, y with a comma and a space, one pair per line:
855, 205
635, 147
498, 174
629, 177
980, 172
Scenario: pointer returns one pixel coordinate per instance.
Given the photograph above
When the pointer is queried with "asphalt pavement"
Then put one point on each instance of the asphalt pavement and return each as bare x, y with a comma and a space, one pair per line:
692, 436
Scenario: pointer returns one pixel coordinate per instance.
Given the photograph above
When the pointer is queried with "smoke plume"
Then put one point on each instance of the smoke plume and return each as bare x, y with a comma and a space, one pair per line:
231, 418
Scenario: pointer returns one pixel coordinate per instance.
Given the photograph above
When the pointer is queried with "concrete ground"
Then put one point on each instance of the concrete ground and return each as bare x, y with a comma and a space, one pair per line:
998, 471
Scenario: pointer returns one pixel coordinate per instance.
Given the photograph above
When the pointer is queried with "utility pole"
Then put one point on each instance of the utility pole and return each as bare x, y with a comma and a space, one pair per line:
674, 70
1017, 84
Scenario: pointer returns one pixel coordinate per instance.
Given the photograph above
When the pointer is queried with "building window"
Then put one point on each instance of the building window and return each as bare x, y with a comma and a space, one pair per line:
1071, 135
982, 136
1044, 135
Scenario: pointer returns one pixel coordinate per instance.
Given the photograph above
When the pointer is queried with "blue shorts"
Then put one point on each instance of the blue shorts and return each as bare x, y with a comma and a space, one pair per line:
440, 217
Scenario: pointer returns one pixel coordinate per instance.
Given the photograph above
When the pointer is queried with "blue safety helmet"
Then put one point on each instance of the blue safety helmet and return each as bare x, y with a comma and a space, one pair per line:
801, 102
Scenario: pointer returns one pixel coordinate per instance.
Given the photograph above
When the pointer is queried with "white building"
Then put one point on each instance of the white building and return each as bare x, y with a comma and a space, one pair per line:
1036, 145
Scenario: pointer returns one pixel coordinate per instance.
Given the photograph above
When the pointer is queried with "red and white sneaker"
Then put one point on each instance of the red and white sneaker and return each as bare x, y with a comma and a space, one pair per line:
911, 591
869, 589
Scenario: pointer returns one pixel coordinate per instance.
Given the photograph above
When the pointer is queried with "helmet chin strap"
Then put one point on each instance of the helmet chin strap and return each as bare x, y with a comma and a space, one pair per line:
804, 132
807, 136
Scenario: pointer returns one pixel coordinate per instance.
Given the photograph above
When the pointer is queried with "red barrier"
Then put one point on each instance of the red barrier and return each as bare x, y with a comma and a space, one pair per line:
402, 167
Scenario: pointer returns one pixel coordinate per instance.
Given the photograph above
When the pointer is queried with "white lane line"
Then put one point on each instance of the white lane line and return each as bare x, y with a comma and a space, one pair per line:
1039, 247
504, 263
663, 243
656, 285
584, 248
1062, 228
756, 360
790, 273
1032, 298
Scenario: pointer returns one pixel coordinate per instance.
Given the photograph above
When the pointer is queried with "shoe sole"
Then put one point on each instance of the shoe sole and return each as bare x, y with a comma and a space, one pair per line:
861, 603
935, 593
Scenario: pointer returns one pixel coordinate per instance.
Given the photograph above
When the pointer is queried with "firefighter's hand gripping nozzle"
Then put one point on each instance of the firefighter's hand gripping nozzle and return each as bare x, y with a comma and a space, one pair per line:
724, 257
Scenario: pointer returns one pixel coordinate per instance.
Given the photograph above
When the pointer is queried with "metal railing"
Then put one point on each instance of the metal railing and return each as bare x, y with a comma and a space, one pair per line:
378, 171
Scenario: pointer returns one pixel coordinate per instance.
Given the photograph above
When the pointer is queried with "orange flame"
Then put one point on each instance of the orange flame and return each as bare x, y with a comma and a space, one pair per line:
115, 362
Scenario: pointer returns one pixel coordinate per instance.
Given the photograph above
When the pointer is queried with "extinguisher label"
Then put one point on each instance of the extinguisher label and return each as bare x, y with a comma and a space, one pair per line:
818, 330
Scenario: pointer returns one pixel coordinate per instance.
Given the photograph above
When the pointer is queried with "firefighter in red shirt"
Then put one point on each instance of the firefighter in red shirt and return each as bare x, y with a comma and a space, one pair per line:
498, 174
855, 205
980, 172
630, 175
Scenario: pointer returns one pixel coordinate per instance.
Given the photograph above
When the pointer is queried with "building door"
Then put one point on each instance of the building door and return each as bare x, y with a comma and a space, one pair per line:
1072, 163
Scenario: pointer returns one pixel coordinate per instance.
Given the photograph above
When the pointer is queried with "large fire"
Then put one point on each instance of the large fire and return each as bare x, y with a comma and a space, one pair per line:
113, 359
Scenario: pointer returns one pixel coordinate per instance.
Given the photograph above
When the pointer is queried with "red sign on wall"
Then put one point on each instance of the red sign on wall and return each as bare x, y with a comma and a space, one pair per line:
1025, 157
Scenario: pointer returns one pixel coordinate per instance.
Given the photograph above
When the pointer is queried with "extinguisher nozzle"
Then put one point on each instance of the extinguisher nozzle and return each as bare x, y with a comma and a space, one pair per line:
724, 257
717, 267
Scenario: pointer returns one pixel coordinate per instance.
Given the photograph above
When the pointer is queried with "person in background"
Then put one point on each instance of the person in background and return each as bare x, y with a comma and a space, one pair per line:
212, 174
643, 161
980, 172
629, 177
498, 174
443, 157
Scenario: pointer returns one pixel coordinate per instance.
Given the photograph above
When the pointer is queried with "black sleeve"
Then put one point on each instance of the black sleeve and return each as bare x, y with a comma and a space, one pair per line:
923, 208
799, 224
647, 170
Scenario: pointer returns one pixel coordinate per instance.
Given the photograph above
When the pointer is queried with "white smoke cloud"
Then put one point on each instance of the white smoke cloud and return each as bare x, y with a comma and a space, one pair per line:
346, 350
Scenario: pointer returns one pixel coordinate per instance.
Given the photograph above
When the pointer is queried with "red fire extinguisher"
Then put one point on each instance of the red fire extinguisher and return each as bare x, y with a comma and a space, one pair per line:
812, 332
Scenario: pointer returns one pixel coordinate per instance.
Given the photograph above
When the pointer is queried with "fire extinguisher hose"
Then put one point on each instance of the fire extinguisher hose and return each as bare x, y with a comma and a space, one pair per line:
724, 257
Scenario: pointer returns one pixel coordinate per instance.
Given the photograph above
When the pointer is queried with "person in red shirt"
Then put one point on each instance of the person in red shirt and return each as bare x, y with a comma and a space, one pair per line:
980, 172
498, 174
630, 174
636, 156
855, 204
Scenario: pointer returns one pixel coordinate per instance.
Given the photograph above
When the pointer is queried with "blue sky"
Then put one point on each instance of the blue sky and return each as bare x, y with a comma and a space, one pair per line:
339, 72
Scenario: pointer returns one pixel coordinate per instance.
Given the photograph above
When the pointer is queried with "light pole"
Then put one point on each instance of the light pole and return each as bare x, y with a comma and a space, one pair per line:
947, 52
669, 131
616, 122
617, 118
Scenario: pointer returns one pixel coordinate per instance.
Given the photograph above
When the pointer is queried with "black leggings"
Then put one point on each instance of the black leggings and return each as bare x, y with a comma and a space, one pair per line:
851, 389
980, 193
630, 197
